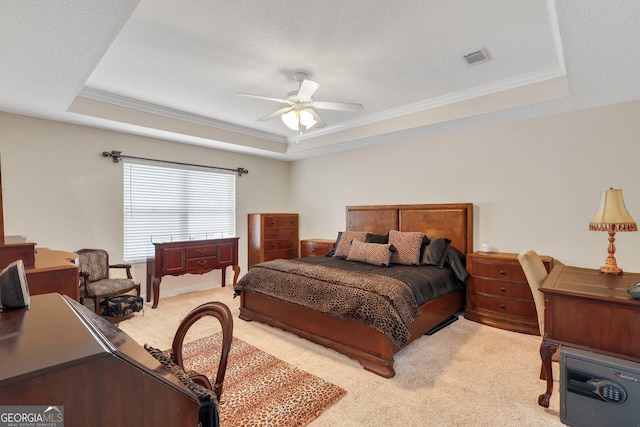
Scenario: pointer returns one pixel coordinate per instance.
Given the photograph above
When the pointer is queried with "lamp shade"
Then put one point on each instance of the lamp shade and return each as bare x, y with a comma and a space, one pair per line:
612, 214
294, 118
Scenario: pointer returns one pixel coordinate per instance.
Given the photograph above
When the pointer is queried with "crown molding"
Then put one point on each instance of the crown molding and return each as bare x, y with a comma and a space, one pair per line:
147, 107
456, 97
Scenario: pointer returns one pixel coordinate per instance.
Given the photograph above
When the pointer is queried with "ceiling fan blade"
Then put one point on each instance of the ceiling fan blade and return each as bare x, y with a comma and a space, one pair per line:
266, 98
276, 113
341, 106
320, 123
308, 88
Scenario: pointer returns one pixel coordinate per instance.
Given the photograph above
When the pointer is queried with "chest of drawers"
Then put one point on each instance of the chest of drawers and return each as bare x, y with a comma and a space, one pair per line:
315, 247
272, 236
498, 293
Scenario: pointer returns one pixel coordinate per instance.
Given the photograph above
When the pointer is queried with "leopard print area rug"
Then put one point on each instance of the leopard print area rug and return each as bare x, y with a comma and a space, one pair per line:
260, 389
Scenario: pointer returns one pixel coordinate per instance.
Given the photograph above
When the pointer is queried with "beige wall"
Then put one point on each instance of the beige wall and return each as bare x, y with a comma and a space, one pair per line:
61, 193
535, 184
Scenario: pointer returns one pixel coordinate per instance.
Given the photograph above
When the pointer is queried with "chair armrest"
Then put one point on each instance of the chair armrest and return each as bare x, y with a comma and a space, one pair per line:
127, 266
84, 277
223, 314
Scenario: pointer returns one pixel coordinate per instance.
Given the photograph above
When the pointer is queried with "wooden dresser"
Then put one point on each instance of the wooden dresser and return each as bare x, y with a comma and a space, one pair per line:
272, 236
315, 247
58, 352
498, 293
191, 257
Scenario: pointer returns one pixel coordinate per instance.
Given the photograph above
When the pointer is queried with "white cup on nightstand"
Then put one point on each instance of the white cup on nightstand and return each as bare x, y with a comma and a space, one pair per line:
485, 248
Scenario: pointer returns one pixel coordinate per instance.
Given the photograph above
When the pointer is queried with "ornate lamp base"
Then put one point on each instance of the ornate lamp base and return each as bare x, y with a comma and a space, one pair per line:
611, 269
611, 266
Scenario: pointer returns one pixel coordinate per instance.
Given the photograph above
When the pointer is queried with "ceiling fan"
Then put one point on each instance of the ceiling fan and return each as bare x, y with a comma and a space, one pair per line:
299, 113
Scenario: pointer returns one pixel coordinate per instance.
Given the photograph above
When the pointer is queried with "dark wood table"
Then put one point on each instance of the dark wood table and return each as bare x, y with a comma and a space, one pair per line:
191, 257
591, 310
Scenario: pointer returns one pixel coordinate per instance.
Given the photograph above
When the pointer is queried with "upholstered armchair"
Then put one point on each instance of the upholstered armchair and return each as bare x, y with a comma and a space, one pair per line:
95, 281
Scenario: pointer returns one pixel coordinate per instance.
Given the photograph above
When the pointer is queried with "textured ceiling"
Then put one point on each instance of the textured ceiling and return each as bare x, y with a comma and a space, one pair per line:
172, 69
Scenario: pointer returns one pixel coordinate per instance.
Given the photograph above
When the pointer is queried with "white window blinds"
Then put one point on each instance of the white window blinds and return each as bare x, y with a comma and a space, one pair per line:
165, 203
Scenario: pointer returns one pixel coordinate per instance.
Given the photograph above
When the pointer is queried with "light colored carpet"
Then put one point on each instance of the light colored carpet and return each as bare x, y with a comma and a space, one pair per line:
465, 375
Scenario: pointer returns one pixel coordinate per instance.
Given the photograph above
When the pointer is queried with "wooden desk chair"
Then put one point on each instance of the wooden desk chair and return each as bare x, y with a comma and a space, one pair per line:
208, 395
536, 272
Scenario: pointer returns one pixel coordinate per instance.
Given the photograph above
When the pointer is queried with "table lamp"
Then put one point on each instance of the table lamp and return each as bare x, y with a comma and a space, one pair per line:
612, 216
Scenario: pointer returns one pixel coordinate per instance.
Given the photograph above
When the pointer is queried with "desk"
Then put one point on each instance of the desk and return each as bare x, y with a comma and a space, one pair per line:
191, 256
587, 309
59, 351
54, 271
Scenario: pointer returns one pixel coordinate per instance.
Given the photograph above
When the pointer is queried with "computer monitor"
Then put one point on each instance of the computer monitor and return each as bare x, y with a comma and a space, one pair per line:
14, 290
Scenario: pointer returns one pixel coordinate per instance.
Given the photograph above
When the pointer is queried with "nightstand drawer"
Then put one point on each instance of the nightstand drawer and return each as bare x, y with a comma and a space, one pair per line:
315, 247
499, 271
502, 289
507, 306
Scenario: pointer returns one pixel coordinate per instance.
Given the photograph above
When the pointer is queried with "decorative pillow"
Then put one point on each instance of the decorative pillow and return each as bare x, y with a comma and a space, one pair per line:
371, 253
335, 245
457, 261
407, 244
434, 253
342, 248
377, 238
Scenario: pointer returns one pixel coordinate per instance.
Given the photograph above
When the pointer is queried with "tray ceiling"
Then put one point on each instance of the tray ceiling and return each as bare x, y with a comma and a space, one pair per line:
171, 69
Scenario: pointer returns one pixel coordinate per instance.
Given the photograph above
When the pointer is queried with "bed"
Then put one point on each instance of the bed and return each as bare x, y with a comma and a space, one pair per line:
367, 344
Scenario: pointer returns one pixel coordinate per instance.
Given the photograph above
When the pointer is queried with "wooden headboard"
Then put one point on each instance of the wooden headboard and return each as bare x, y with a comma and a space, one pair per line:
452, 220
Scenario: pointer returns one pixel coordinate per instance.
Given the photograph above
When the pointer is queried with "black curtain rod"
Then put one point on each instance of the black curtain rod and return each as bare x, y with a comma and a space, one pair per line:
116, 156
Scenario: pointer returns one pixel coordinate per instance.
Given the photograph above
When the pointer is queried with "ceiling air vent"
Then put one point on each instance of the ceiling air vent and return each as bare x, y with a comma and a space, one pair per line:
477, 57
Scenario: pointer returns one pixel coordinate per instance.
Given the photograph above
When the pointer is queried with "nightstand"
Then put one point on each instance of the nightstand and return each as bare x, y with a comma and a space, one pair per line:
315, 247
498, 293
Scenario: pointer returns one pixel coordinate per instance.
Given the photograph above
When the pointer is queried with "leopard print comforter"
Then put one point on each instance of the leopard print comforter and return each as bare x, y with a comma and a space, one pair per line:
384, 303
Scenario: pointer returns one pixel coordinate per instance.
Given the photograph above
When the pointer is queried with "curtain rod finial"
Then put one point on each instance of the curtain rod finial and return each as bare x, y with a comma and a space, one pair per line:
115, 155
241, 171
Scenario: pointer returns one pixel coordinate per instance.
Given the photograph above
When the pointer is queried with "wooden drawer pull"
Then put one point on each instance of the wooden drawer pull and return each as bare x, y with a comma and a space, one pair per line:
202, 262
503, 272
503, 306
202, 251
503, 289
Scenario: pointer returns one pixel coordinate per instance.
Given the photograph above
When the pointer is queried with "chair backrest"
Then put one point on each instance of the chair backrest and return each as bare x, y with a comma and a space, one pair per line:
535, 272
220, 311
95, 262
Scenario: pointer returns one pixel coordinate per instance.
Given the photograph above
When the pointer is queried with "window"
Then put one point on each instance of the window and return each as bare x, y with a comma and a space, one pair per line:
165, 203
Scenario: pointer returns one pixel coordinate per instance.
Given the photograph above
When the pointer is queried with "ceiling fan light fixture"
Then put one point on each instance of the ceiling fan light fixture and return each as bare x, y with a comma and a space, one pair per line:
307, 119
291, 120
294, 118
